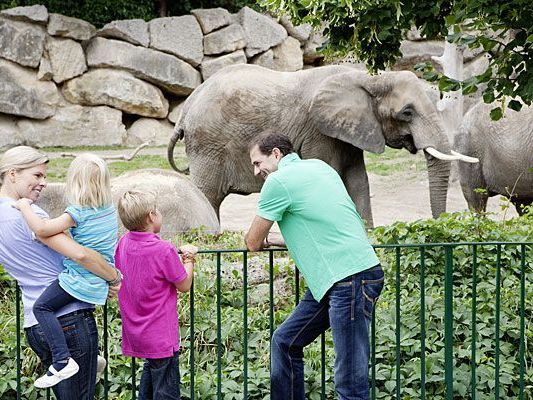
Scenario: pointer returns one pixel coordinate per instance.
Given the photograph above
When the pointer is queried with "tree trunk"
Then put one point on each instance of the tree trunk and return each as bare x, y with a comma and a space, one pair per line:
162, 8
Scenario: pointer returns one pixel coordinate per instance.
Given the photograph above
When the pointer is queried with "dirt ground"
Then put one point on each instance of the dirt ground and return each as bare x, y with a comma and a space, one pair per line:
398, 197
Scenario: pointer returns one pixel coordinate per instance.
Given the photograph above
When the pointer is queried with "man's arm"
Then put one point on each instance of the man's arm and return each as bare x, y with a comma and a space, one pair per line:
255, 237
89, 259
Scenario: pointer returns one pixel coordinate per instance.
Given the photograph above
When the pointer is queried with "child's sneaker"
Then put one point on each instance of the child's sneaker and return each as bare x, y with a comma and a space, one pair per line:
100, 367
53, 377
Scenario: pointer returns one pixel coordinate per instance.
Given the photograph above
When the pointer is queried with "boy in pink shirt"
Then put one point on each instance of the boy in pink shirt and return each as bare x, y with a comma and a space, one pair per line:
148, 299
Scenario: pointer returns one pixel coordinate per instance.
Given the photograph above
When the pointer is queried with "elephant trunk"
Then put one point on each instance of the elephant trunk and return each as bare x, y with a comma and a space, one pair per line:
438, 176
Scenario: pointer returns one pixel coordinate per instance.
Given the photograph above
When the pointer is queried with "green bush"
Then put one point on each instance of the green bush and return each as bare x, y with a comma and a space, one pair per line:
460, 227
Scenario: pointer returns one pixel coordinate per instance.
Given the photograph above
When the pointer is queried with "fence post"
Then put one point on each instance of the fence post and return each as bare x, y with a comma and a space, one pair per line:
448, 323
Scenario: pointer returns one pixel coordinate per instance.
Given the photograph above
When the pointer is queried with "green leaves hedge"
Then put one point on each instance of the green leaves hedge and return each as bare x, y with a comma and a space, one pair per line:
460, 227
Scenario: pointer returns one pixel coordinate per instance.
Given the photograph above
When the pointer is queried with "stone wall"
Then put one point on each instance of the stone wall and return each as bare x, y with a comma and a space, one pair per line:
65, 83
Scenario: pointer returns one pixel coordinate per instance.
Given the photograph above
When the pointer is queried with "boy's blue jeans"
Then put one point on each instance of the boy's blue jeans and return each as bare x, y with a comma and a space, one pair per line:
44, 308
347, 308
160, 379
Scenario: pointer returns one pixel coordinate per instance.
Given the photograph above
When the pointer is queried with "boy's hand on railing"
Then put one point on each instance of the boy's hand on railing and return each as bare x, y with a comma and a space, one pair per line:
188, 252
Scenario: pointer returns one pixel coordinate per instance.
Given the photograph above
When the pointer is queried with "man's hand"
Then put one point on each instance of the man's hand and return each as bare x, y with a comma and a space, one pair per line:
257, 233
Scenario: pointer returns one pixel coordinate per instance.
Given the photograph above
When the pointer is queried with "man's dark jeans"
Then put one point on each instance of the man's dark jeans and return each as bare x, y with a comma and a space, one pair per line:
80, 332
347, 308
160, 379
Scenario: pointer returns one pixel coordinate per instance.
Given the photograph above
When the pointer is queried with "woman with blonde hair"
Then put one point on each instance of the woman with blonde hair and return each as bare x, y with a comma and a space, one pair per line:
35, 260
92, 220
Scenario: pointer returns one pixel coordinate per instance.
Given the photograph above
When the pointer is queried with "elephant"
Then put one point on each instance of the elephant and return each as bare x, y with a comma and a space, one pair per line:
332, 113
505, 152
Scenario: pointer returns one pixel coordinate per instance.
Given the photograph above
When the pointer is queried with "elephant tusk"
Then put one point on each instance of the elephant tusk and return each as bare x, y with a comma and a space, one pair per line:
464, 158
441, 156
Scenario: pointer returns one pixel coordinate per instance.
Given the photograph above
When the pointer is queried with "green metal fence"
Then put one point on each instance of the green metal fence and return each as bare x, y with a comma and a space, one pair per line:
415, 274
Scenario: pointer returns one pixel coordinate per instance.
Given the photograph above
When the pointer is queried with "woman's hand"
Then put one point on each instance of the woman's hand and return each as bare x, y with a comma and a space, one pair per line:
23, 202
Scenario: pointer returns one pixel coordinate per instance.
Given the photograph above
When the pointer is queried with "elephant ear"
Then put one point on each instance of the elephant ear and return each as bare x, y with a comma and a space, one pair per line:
342, 108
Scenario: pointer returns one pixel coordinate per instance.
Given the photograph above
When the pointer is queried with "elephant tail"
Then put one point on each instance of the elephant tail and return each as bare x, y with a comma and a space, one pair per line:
178, 135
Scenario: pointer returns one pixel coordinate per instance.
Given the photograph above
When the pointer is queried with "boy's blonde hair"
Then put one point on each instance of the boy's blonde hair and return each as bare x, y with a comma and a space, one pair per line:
133, 208
89, 182
19, 158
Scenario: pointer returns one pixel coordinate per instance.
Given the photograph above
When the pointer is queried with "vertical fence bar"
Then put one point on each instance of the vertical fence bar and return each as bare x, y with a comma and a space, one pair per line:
448, 323
423, 323
522, 318
133, 386
245, 321
398, 316
106, 353
271, 302
497, 328
373, 355
473, 362
323, 365
191, 339
219, 327
17, 327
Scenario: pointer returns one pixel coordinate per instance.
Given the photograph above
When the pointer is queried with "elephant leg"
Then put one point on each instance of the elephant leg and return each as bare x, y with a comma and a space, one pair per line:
473, 186
208, 176
356, 181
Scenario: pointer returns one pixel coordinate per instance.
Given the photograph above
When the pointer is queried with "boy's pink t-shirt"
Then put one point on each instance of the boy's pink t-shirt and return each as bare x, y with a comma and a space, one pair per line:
148, 298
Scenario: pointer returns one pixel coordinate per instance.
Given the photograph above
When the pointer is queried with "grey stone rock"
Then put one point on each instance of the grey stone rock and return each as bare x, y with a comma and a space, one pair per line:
260, 31
299, 32
22, 94
175, 111
225, 40
74, 28
180, 36
9, 134
163, 70
75, 126
287, 56
37, 14
417, 52
45, 69
118, 89
156, 132
265, 59
211, 65
171, 190
134, 31
212, 18
21, 42
66, 58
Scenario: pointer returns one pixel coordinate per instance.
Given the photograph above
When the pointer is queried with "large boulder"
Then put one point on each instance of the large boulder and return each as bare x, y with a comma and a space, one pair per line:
225, 40
21, 42
73, 28
163, 70
154, 131
9, 134
117, 89
180, 36
211, 65
260, 31
212, 18
75, 126
183, 205
134, 31
66, 57
287, 56
299, 32
35, 14
22, 94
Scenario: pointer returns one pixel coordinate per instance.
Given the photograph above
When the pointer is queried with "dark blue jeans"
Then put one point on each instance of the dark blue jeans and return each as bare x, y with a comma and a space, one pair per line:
347, 308
51, 300
160, 379
80, 332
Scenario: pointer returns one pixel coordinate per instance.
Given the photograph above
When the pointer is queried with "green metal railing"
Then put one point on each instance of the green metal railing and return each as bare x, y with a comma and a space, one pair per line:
447, 262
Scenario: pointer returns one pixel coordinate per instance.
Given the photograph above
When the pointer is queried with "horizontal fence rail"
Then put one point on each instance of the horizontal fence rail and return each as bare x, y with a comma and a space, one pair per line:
451, 323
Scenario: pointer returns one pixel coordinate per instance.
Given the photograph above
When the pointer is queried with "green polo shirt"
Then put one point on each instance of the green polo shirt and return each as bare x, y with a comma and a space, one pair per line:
322, 230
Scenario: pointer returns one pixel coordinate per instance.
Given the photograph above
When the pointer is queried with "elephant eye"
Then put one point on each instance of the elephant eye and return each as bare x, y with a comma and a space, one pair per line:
406, 114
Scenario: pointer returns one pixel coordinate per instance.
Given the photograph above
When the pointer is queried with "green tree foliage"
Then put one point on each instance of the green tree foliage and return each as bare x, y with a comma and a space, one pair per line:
373, 30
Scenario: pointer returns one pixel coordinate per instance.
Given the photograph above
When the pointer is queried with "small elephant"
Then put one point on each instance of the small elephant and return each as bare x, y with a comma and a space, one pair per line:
505, 152
332, 113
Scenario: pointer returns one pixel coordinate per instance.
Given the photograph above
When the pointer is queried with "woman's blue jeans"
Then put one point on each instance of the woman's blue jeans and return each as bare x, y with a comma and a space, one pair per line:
347, 308
79, 329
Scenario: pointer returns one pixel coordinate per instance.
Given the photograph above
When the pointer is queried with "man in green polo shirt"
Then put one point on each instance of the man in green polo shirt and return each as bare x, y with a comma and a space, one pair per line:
326, 238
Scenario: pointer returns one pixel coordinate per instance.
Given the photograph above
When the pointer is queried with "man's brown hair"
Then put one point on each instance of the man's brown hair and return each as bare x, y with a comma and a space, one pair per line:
269, 140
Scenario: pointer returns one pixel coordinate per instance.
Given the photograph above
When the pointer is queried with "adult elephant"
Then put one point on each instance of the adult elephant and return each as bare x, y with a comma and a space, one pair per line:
505, 152
333, 113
